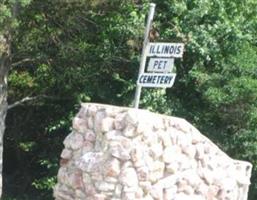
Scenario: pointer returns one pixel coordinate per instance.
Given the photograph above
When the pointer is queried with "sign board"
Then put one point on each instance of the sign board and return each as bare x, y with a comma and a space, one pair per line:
159, 49
156, 80
160, 65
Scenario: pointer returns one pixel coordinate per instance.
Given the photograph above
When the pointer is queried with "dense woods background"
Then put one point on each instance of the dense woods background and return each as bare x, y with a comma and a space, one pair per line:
69, 51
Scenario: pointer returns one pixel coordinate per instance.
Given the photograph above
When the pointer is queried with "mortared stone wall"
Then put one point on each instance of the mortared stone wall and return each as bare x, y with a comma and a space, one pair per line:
118, 153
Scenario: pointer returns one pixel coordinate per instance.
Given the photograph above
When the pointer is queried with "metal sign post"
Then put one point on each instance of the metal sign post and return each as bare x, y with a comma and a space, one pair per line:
143, 58
161, 61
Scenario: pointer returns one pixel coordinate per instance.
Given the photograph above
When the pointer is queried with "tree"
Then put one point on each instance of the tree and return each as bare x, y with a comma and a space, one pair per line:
216, 83
5, 57
8, 14
68, 50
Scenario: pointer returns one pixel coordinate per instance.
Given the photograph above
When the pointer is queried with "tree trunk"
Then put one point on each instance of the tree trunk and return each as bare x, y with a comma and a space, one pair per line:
4, 69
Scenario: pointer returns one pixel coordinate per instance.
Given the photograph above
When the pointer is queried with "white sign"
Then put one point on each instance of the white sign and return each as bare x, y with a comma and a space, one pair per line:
160, 65
165, 49
156, 80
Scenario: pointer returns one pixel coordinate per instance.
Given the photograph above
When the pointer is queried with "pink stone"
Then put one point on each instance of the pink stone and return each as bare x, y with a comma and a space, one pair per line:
75, 180
59, 194
99, 197
183, 139
182, 185
157, 123
170, 154
90, 190
91, 109
104, 186
100, 115
112, 168
183, 196
80, 194
122, 141
207, 148
139, 193
156, 191
143, 173
74, 141
111, 179
64, 162
86, 179
66, 154
82, 113
192, 177
156, 150
130, 131
119, 122
148, 197
87, 146
189, 150
196, 137
173, 133
107, 124
79, 124
137, 156
113, 134
132, 117
123, 154
90, 123
143, 127
90, 136
165, 137
128, 196
212, 191
172, 168
150, 138
202, 189
128, 177
62, 175
199, 151
169, 193
118, 151
145, 185
185, 162
208, 176
118, 190
90, 161
157, 171
168, 181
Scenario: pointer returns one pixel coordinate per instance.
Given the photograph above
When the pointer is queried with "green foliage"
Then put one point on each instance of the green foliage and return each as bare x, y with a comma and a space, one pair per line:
27, 146
45, 183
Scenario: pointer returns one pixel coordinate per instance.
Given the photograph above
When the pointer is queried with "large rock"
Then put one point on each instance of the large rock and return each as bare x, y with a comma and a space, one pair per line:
117, 153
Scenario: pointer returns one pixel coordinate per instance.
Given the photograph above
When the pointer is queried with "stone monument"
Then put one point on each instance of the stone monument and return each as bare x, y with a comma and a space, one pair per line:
118, 153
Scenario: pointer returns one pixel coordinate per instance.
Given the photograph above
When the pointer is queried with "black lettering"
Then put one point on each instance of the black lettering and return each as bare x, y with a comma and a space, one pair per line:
158, 49
167, 48
149, 79
154, 79
158, 79
167, 79
155, 64
171, 49
162, 79
165, 63
145, 79
141, 79
178, 50
151, 48
163, 48
160, 64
